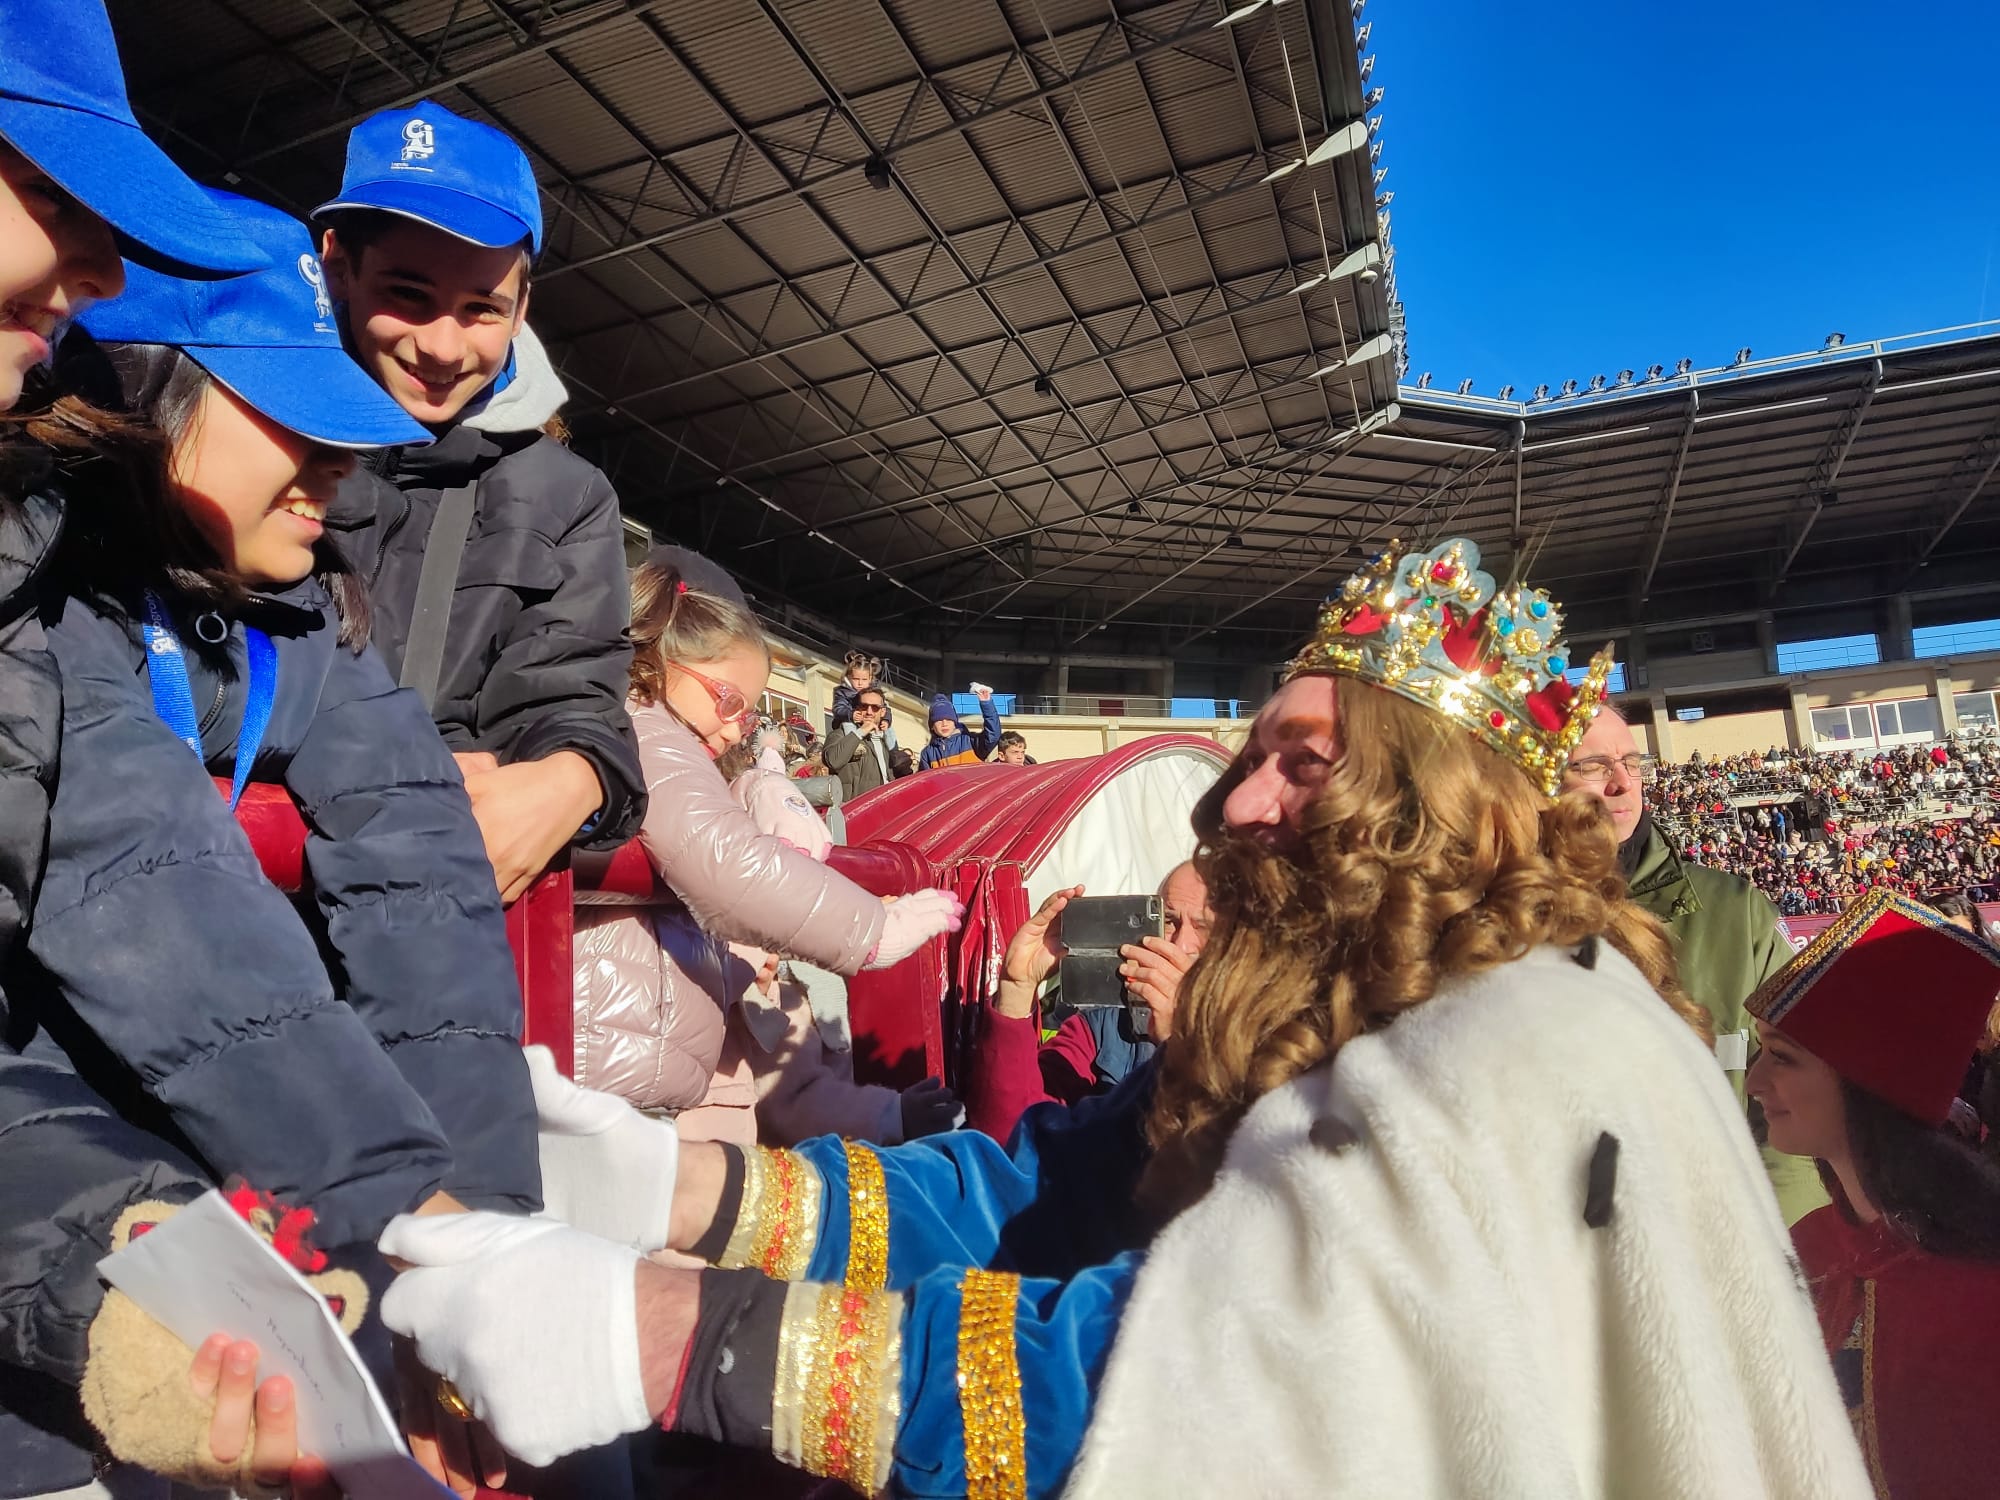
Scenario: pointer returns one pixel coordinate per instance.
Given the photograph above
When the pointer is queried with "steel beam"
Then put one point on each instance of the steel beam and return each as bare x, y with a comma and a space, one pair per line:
1663, 516
1966, 482
1825, 472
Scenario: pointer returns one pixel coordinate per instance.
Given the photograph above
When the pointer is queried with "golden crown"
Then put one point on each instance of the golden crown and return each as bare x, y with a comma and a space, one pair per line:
1433, 627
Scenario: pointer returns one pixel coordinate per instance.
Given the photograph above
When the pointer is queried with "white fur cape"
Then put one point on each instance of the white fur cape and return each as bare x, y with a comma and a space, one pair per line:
1423, 1312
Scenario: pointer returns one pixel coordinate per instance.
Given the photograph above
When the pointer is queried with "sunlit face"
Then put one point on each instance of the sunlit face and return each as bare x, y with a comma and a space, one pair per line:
429, 315
1801, 1097
1014, 753
257, 491
1608, 743
1184, 900
56, 258
860, 679
1294, 745
944, 728
743, 667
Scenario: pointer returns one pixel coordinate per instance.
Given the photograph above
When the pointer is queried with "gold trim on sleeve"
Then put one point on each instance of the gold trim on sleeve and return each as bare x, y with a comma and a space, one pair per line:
989, 1387
868, 1220
777, 1225
838, 1393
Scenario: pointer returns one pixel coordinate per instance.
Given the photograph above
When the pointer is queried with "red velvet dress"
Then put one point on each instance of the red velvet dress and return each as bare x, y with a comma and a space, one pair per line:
1915, 1340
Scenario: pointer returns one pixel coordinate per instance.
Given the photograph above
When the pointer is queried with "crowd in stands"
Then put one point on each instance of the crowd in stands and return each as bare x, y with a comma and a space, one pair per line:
1814, 830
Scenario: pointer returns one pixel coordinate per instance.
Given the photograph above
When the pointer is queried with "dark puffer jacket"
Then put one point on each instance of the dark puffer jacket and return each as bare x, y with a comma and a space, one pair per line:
536, 658
189, 993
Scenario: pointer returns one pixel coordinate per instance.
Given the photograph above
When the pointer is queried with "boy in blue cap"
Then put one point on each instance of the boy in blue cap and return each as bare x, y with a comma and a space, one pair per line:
950, 745
495, 557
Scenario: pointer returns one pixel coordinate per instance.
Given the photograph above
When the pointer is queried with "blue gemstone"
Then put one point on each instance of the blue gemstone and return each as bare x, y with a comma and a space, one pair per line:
1558, 666
1539, 608
1506, 627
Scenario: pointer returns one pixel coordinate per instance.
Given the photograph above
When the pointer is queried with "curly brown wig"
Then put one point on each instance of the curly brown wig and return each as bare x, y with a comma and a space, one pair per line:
1424, 857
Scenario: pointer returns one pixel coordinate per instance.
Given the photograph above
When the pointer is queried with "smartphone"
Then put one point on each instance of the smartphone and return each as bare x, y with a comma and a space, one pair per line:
1094, 928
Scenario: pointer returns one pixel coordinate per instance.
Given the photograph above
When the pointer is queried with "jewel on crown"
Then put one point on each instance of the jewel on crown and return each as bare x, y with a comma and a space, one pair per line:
1433, 627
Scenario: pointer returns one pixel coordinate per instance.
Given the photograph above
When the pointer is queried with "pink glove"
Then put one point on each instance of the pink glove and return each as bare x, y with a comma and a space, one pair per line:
913, 921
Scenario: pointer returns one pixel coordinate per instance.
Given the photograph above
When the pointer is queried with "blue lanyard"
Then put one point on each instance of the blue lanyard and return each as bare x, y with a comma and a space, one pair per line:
173, 698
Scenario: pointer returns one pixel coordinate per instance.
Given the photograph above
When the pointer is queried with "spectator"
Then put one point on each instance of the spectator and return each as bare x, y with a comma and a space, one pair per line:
1726, 934
1904, 1265
74, 163
700, 663
1030, 1054
950, 745
1013, 750
858, 750
495, 557
862, 673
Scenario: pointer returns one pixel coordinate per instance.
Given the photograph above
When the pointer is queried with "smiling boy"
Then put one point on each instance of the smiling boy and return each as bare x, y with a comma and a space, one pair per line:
494, 557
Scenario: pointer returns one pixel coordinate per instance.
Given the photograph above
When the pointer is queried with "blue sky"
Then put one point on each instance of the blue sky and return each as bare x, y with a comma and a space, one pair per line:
1584, 187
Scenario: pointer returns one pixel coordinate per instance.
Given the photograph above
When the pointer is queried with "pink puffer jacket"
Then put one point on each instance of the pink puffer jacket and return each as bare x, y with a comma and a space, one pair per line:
652, 987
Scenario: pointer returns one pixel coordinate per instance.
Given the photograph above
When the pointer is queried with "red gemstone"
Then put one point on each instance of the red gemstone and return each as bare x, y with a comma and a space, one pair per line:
1497, 719
1444, 572
849, 1328
844, 1358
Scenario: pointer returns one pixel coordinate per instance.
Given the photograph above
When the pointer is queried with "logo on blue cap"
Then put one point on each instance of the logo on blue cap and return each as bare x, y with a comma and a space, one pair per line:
419, 141
315, 278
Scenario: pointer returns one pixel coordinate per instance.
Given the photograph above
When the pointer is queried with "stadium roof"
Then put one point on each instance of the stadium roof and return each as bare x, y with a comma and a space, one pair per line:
1015, 311
1015, 324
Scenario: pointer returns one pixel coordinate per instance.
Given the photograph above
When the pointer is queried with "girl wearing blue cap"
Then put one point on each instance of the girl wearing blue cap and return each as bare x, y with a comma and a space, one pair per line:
200, 627
79, 181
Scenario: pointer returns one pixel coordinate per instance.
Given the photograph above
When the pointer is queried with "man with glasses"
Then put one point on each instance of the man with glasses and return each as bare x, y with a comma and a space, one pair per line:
858, 750
1725, 931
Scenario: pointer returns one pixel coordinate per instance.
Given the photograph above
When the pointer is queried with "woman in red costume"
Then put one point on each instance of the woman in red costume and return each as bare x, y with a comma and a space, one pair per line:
1865, 1039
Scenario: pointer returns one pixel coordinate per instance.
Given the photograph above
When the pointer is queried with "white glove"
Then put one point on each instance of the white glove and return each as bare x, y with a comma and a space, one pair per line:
606, 1168
535, 1323
913, 921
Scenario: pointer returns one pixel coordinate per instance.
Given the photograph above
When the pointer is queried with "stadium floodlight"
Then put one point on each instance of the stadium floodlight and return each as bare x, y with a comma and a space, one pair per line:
1624, 378
1834, 340
1654, 372
1362, 33
876, 170
1383, 200
1424, 381
1465, 388
1682, 366
1743, 355
1134, 508
1374, 126
1367, 66
1358, 7
1234, 539
1506, 393
1541, 393
1374, 153
1568, 388
1381, 176
1596, 383
1373, 97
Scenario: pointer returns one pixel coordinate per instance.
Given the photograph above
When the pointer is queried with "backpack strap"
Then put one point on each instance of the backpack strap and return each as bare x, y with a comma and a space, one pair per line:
444, 551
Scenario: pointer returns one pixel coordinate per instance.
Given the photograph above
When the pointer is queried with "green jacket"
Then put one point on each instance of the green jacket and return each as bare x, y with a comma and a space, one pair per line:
1729, 940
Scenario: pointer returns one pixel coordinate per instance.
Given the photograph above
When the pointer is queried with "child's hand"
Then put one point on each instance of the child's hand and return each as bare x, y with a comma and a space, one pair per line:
262, 1418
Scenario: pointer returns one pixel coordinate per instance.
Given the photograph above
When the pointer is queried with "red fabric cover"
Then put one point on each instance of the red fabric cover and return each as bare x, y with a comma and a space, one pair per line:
1011, 1070
1914, 1336
1893, 998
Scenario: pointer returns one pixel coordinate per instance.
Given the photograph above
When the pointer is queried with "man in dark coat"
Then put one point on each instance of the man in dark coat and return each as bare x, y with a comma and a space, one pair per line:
430, 275
858, 749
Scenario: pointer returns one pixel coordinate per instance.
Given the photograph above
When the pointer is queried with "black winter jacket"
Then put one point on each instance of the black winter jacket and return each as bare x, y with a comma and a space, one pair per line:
536, 658
188, 991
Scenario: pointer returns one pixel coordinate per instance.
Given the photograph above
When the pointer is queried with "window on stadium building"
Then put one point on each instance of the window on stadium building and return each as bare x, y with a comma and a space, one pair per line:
1975, 713
1964, 639
1843, 727
1906, 720
1865, 726
1829, 651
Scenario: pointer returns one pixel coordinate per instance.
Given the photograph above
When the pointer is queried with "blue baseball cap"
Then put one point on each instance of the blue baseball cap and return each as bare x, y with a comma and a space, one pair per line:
63, 106
270, 336
441, 169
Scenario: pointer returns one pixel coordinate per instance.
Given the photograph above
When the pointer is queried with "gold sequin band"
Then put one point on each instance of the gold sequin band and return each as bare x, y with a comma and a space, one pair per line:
989, 1387
838, 1394
868, 1221
777, 1224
